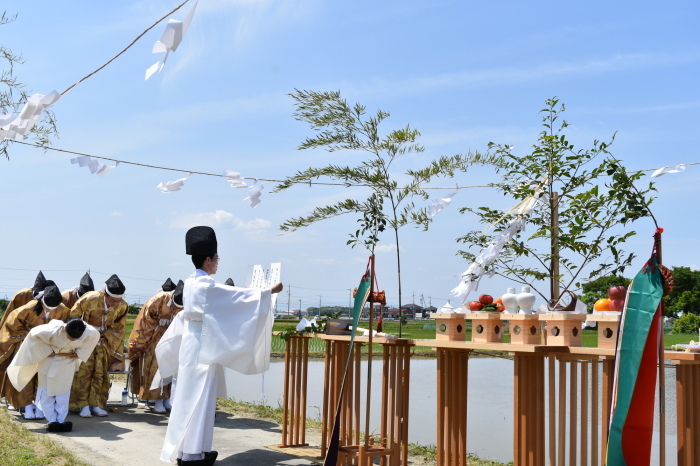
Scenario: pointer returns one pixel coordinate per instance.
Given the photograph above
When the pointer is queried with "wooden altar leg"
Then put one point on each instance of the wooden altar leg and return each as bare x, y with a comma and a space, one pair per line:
296, 362
452, 376
688, 413
529, 410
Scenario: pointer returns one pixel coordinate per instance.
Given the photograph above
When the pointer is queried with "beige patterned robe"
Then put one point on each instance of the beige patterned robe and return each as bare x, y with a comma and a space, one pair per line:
151, 323
70, 297
22, 297
91, 383
16, 327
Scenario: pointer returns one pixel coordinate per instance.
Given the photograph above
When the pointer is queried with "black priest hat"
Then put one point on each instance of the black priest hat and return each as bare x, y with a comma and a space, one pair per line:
39, 284
177, 294
86, 284
168, 285
52, 296
114, 287
200, 241
229, 282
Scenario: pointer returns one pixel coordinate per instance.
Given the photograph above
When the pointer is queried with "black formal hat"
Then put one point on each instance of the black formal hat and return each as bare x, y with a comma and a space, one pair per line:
52, 296
229, 282
39, 284
86, 285
114, 287
168, 285
177, 294
200, 241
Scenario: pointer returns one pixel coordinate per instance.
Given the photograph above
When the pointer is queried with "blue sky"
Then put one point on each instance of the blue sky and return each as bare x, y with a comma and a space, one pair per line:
462, 73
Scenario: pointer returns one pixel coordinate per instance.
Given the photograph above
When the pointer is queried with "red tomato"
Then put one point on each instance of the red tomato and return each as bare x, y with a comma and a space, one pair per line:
485, 299
617, 292
475, 306
617, 304
602, 305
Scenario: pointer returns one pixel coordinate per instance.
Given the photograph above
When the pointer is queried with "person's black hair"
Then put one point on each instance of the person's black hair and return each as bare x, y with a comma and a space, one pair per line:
75, 327
198, 260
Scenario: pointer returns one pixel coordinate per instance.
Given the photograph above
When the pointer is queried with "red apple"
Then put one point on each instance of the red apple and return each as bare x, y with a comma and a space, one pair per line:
617, 305
485, 299
617, 292
475, 306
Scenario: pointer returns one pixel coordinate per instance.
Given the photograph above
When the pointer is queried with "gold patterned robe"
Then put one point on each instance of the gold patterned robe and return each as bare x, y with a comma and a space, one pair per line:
22, 297
151, 323
70, 297
16, 327
91, 383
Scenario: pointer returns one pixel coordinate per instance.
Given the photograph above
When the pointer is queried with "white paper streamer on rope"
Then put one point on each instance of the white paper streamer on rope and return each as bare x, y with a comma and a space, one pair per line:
254, 195
440, 204
474, 273
671, 169
235, 179
94, 165
17, 128
170, 186
172, 36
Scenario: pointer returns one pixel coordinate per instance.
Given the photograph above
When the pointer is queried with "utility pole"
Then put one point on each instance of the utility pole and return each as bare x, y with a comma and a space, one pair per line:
300, 308
289, 300
319, 305
349, 301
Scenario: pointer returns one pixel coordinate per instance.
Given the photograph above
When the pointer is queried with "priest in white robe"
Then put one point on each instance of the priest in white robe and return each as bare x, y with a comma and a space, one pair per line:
220, 326
54, 351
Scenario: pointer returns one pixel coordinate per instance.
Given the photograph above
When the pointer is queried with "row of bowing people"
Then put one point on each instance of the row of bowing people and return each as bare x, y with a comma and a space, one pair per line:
43, 310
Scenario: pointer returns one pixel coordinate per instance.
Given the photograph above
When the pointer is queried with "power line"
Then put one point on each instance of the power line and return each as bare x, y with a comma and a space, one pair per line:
321, 183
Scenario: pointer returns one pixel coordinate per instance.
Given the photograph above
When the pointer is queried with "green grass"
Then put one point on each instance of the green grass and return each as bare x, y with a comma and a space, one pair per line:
18, 446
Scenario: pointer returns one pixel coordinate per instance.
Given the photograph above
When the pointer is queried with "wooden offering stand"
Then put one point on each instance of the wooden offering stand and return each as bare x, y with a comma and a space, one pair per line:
449, 326
564, 329
524, 328
486, 326
608, 328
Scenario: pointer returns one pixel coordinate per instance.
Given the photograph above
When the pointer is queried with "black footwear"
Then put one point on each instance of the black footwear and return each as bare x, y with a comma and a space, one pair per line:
53, 427
210, 456
202, 462
66, 426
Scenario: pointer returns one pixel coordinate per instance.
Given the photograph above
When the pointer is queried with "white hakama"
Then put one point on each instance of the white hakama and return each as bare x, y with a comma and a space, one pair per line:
220, 326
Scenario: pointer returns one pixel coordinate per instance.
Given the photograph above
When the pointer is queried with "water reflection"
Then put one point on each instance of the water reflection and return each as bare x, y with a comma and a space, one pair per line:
489, 405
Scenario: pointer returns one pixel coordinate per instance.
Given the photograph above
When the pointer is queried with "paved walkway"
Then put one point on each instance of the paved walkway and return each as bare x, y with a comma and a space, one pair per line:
134, 435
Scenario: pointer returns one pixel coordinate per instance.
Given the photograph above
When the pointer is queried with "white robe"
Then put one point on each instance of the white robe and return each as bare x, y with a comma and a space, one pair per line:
220, 326
56, 373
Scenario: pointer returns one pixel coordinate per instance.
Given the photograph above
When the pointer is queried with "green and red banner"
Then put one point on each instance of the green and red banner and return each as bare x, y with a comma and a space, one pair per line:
637, 358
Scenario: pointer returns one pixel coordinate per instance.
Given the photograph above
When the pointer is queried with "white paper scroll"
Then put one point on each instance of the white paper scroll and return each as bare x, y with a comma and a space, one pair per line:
254, 195
17, 128
262, 279
473, 274
672, 169
235, 179
170, 186
94, 165
440, 204
172, 36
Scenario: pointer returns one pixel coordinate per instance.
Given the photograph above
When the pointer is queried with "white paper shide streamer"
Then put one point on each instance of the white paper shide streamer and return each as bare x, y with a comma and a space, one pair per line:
170, 40
440, 204
663, 170
235, 179
94, 165
16, 127
473, 274
170, 186
254, 195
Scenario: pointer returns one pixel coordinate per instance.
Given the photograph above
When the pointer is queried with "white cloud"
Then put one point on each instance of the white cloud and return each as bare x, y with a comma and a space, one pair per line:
694, 267
116, 213
387, 248
218, 218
